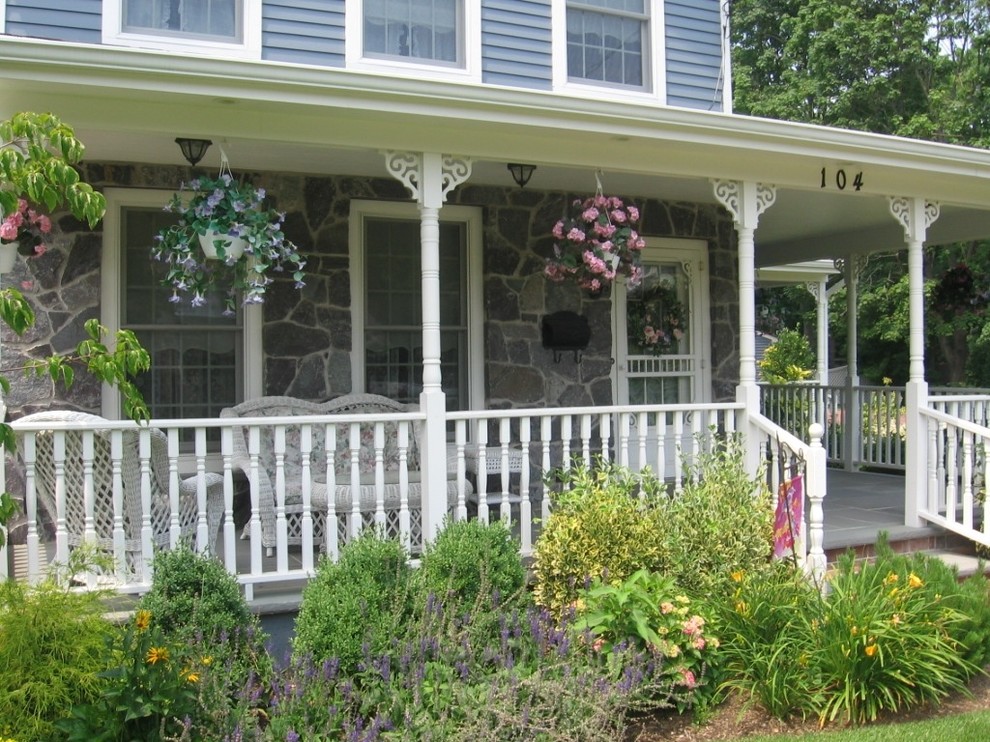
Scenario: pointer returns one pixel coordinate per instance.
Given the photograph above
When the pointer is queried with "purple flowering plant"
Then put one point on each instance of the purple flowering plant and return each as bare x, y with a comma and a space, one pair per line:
229, 209
597, 243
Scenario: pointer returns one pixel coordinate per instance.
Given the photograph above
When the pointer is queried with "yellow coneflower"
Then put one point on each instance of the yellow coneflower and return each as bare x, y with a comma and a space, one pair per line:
192, 676
157, 654
142, 620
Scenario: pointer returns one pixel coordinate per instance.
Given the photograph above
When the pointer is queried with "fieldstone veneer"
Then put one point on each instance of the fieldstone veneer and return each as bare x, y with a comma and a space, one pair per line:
307, 334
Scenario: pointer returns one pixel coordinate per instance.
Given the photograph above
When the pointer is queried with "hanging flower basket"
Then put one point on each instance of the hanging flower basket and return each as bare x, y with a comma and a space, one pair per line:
656, 320
596, 244
225, 239
22, 232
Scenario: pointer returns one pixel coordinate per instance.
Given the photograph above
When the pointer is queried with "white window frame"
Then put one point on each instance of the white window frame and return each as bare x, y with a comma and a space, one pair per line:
655, 72
414, 68
110, 282
248, 48
471, 217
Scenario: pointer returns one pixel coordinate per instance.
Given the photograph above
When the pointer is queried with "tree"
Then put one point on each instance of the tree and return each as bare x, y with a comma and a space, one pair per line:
37, 155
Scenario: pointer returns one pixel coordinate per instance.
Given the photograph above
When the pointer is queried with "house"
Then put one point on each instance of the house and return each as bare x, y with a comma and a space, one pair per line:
384, 131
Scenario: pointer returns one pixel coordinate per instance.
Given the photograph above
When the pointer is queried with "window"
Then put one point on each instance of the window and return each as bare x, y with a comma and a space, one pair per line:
415, 29
197, 354
607, 42
217, 27
388, 318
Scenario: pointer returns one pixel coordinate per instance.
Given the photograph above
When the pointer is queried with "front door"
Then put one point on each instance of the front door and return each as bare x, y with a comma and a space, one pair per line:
662, 344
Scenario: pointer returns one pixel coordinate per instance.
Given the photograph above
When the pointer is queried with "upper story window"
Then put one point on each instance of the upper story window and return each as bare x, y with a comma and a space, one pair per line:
439, 39
607, 42
226, 28
220, 19
415, 29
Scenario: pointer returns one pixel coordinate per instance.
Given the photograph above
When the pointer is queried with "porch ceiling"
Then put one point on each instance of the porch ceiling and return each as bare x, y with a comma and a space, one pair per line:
129, 105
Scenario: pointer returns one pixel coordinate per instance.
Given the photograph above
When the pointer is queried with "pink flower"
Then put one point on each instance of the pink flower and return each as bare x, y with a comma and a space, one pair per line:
687, 678
8, 231
698, 643
558, 230
633, 213
575, 235
666, 607
589, 215
40, 249
618, 216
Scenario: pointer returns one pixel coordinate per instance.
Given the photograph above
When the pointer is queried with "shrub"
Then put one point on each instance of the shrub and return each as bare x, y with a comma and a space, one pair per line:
194, 595
599, 528
649, 613
52, 651
789, 359
468, 558
360, 599
720, 523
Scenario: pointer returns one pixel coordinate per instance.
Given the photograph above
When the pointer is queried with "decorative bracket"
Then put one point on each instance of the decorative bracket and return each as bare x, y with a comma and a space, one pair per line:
744, 200
428, 176
914, 221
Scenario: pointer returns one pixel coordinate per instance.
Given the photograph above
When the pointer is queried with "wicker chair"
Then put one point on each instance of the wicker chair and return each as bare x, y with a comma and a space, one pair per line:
367, 491
74, 474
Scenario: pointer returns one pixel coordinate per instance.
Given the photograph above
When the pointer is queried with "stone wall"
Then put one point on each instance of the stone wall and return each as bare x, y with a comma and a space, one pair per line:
307, 333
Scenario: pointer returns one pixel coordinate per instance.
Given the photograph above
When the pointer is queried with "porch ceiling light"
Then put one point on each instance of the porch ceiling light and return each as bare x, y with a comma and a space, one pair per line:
521, 173
193, 149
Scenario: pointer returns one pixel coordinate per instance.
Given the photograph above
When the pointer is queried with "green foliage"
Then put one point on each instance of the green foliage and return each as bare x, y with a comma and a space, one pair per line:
598, 528
720, 523
52, 651
361, 598
37, 154
648, 612
887, 636
789, 359
470, 556
147, 694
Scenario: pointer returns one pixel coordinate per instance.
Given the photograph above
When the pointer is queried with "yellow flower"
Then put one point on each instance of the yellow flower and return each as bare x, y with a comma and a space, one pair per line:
855, 630
914, 581
870, 650
157, 654
206, 660
896, 619
142, 620
892, 577
192, 676
738, 575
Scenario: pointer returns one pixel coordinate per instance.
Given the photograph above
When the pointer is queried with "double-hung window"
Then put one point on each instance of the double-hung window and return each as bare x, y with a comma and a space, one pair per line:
218, 27
429, 30
386, 281
607, 42
198, 363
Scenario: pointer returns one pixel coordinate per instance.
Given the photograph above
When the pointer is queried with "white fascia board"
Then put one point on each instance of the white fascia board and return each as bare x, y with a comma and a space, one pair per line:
761, 144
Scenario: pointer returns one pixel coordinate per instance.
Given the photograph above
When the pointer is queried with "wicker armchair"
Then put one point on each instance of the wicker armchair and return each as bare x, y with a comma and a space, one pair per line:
341, 461
74, 475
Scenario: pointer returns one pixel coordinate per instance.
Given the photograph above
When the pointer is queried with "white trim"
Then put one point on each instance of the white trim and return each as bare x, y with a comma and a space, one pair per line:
655, 69
680, 251
726, 45
415, 69
3, 16
248, 48
110, 282
469, 215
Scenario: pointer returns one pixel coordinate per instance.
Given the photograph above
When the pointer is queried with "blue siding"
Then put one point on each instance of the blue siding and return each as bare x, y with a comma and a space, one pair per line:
693, 48
303, 32
62, 20
515, 43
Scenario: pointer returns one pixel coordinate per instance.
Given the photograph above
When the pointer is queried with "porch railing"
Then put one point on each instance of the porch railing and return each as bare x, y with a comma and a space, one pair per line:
503, 456
956, 470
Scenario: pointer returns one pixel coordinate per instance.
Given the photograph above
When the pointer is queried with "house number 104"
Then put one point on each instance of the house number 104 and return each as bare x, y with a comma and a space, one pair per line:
841, 180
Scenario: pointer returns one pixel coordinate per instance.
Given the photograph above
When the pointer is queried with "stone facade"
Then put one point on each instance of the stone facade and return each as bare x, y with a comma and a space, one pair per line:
307, 333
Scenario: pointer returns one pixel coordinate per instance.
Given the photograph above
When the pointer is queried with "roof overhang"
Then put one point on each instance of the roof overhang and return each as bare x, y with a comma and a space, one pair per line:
128, 105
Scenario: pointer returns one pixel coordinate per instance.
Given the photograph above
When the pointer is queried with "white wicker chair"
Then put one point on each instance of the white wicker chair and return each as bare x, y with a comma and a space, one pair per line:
74, 474
351, 404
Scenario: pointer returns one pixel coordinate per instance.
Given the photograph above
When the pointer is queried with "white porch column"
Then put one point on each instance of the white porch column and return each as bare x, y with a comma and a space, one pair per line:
430, 176
818, 289
746, 201
852, 409
915, 215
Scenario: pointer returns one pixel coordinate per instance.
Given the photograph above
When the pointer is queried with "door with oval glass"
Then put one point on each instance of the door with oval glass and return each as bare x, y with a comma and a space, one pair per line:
662, 347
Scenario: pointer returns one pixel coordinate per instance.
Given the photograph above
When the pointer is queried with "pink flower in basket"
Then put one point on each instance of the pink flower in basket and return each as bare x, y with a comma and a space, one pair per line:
597, 244
27, 228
